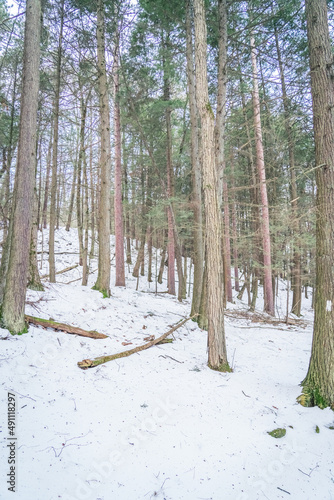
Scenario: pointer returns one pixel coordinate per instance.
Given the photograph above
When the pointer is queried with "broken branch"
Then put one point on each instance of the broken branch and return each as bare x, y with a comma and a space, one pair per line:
48, 323
90, 363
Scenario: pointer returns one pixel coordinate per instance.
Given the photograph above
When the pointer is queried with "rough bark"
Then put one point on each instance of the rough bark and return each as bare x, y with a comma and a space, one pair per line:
80, 167
318, 386
296, 281
34, 280
47, 181
227, 245
118, 207
196, 195
52, 264
50, 323
170, 173
267, 283
103, 279
217, 356
16, 277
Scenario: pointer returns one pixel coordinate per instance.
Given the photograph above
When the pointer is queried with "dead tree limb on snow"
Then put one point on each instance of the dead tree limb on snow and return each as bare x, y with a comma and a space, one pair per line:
61, 272
90, 363
48, 323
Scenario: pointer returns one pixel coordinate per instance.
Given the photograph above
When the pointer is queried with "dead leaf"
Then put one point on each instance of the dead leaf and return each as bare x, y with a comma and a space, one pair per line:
126, 343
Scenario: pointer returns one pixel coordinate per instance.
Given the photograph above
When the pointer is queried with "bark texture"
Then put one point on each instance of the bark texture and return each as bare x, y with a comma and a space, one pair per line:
52, 265
215, 295
196, 196
103, 279
318, 386
118, 207
267, 284
16, 278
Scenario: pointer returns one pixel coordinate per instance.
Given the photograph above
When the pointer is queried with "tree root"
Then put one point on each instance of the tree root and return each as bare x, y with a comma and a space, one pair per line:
90, 363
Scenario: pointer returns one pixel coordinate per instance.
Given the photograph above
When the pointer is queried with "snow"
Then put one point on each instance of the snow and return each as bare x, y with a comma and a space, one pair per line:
158, 424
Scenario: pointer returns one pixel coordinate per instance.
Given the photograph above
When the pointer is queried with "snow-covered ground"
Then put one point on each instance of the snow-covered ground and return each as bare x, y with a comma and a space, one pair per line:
158, 424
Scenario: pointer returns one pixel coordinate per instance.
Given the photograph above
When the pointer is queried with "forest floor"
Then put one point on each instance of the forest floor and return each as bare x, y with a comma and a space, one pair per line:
158, 424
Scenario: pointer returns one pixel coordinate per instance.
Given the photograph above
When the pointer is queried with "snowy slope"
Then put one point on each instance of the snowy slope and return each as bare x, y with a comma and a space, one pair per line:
158, 424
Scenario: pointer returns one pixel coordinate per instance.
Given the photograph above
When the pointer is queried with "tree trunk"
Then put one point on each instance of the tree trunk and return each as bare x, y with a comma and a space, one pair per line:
52, 264
16, 279
318, 386
267, 284
103, 280
47, 180
196, 195
227, 244
34, 280
217, 356
80, 167
296, 281
170, 173
72, 195
118, 207
85, 267
126, 200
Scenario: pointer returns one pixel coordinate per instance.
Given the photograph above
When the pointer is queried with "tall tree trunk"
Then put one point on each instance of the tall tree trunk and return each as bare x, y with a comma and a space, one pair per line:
267, 284
12, 310
34, 280
217, 356
170, 173
73, 187
47, 179
92, 191
118, 207
227, 243
103, 280
220, 142
296, 281
255, 198
52, 264
85, 269
80, 167
318, 386
126, 200
196, 195
234, 233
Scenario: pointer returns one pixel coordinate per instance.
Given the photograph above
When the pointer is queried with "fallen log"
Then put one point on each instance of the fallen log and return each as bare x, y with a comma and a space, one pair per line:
91, 363
61, 272
48, 323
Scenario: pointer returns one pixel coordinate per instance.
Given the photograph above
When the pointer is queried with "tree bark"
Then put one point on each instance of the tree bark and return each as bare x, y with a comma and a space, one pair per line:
267, 284
103, 280
16, 278
170, 173
52, 264
318, 386
217, 356
296, 281
47, 181
118, 207
48, 323
196, 195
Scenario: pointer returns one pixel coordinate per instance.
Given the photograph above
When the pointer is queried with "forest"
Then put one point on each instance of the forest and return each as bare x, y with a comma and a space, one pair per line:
167, 183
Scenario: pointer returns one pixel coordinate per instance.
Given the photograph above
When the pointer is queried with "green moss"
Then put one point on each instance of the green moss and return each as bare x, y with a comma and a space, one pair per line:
277, 433
36, 286
311, 397
317, 430
223, 367
105, 293
5, 327
209, 108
